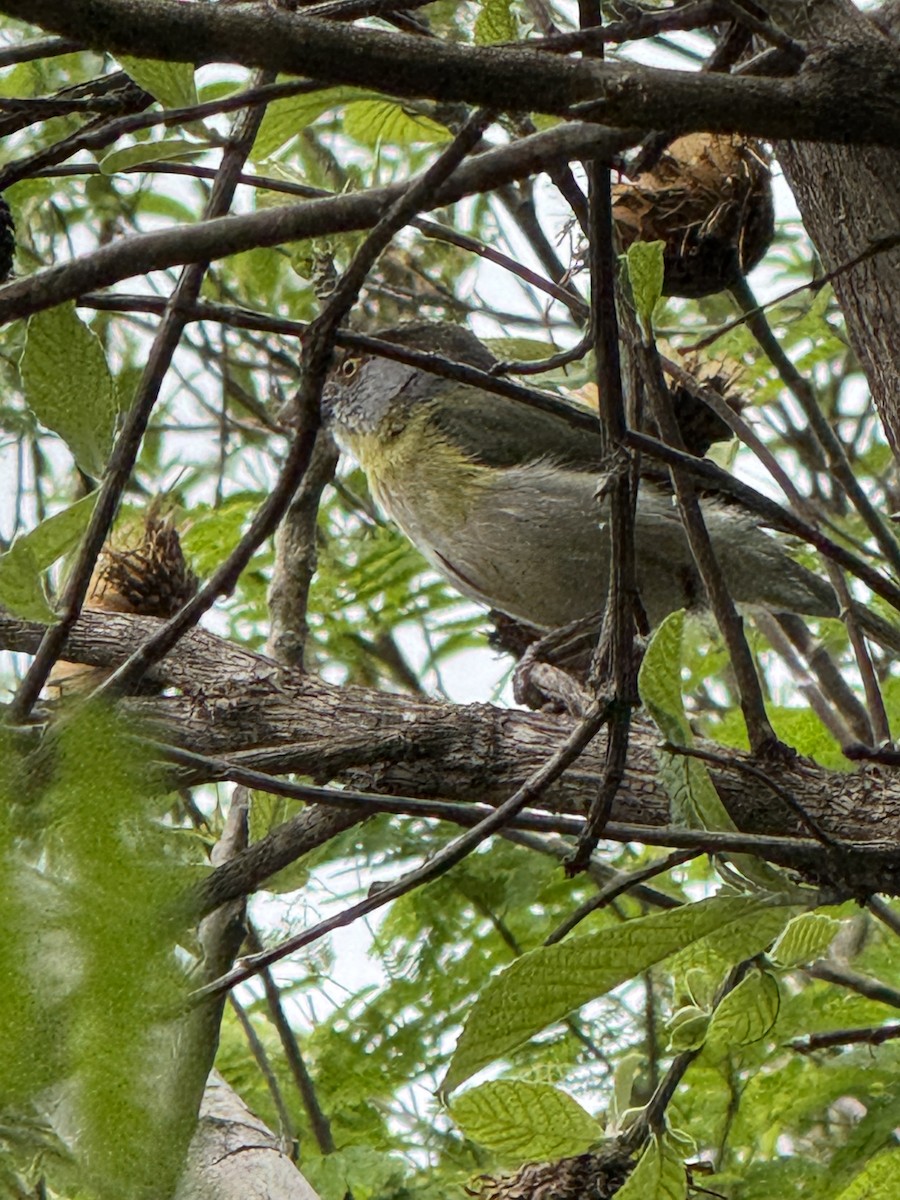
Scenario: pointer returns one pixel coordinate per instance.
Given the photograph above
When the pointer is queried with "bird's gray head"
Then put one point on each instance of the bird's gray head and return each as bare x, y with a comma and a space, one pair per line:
365, 390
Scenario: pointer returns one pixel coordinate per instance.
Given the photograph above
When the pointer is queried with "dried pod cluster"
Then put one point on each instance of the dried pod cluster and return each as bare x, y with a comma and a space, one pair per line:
593, 1176
709, 199
148, 575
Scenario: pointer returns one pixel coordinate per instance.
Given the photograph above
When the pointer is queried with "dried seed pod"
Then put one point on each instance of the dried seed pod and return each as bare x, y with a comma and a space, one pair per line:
150, 577
593, 1176
709, 199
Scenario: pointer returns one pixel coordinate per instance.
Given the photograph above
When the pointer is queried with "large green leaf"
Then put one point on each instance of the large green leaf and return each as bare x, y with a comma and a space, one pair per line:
545, 985
22, 567
519, 1120
68, 385
171, 83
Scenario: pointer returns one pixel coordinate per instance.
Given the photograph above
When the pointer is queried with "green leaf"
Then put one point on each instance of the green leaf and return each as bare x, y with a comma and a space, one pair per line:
879, 1179
519, 1120
746, 1014
168, 149
548, 983
114, 927
68, 385
689, 786
644, 261
495, 23
286, 118
23, 565
519, 349
733, 943
627, 1070
660, 1173
805, 938
371, 122
171, 83
28, 1053
659, 680
687, 1029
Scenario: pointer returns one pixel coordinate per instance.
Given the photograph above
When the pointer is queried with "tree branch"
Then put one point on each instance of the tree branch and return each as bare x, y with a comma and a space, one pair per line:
849, 98
242, 705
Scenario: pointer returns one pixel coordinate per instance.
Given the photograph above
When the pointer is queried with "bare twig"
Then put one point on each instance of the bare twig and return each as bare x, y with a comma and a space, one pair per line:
863, 985
617, 631
618, 887
874, 1035
759, 729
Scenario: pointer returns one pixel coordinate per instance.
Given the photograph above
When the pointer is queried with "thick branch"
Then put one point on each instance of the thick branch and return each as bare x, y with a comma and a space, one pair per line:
854, 100
243, 705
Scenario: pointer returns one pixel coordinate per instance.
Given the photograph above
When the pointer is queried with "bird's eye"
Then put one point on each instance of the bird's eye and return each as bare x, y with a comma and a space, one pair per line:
349, 367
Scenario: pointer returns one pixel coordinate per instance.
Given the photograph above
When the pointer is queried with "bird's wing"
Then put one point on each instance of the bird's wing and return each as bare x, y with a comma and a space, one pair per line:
497, 431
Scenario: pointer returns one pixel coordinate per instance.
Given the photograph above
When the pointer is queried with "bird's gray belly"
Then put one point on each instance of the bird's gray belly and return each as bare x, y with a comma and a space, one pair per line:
534, 542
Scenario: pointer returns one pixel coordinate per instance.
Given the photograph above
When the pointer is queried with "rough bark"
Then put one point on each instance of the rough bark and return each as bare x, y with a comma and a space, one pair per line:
849, 198
234, 1156
853, 98
243, 706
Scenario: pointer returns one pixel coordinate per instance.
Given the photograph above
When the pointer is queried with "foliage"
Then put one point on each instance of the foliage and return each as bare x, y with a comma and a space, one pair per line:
570, 1039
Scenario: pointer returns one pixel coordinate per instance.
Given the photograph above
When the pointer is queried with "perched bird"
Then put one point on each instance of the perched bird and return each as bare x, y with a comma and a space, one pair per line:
502, 498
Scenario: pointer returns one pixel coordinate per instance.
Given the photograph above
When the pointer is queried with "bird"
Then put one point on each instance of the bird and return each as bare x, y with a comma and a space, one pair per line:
502, 498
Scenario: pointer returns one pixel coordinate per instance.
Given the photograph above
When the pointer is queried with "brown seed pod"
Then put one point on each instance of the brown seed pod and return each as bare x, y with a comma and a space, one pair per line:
709, 199
147, 575
592, 1176
151, 577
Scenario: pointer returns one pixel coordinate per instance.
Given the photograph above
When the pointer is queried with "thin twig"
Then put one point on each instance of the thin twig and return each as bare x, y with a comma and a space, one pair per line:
763, 740
884, 913
763, 29
874, 1035
833, 722
617, 630
644, 25
863, 985
789, 800
48, 47
772, 513
318, 1119
258, 1050
97, 134
652, 1116
802, 391
618, 887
